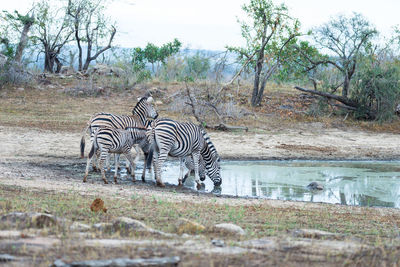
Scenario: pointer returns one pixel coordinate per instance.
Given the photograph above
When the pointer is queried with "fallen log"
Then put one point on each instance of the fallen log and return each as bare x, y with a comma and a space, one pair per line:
348, 104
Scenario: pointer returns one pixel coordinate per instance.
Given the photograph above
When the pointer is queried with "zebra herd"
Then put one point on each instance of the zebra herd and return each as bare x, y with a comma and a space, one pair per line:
157, 138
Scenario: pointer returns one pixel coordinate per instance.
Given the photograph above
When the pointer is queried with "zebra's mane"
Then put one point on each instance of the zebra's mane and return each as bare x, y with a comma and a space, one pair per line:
143, 99
209, 144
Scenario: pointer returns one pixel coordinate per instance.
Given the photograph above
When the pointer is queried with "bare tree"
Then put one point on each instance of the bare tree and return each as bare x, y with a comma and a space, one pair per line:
52, 33
90, 27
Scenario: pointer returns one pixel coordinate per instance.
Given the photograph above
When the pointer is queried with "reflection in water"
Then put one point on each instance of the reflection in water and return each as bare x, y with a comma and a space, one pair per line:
361, 183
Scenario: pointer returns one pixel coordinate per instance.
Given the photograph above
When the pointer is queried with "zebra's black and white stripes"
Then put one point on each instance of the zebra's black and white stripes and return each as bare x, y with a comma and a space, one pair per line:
168, 137
141, 113
118, 141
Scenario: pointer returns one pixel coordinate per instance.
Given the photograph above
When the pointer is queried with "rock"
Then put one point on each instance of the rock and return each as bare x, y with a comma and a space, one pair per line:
158, 102
3, 60
79, 227
189, 227
27, 220
315, 186
67, 70
229, 228
312, 233
6, 258
21, 89
127, 225
98, 205
218, 243
167, 261
41, 220
10, 234
103, 227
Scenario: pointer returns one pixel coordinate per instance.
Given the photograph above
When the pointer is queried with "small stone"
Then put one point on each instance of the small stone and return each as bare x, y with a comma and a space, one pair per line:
79, 227
10, 234
229, 228
6, 258
21, 89
218, 243
103, 227
26, 220
313, 233
126, 225
187, 226
315, 186
167, 261
41, 220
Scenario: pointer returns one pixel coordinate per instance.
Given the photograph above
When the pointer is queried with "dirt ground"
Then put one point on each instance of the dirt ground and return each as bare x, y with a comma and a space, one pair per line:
43, 164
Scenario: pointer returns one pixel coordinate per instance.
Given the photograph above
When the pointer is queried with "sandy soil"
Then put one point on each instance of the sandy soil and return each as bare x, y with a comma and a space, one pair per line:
50, 160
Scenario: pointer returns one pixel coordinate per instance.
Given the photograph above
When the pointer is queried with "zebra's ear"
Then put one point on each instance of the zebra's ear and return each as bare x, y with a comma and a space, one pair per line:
150, 99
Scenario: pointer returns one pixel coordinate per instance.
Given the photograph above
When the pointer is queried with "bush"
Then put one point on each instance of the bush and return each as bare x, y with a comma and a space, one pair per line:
377, 89
14, 73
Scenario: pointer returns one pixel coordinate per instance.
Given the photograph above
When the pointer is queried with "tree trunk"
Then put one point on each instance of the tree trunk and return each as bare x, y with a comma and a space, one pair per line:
255, 94
23, 40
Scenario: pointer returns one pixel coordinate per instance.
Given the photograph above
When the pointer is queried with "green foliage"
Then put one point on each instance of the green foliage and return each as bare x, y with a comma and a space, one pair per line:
377, 88
154, 55
197, 66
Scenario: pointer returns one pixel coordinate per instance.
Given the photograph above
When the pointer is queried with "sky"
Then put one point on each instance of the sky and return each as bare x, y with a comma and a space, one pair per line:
212, 24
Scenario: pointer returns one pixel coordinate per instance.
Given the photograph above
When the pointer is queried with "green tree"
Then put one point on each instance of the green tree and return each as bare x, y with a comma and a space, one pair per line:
346, 38
269, 32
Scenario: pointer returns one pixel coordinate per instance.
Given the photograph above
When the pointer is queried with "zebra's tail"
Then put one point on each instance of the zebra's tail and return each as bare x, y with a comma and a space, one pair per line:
94, 145
150, 134
82, 146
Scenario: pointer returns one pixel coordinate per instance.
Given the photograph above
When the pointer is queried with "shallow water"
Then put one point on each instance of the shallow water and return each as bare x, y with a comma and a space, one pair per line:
360, 183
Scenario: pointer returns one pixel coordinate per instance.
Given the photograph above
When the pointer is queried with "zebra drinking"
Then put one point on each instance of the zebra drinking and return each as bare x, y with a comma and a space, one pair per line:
139, 118
118, 141
176, 139
189, 164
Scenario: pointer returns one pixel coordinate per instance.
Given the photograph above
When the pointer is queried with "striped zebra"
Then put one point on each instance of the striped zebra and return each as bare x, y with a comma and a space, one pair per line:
143, 111
189, 164
176, 139
118, 141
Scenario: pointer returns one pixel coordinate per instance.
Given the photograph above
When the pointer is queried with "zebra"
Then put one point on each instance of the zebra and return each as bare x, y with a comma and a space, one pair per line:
139, 118
118, 141
189, 164
177, 139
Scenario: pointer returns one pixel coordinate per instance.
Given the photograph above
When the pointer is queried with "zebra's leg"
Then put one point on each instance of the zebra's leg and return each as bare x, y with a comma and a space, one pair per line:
181, 169
96, 158
158, 163
116, 155
196, 157
102, 158
108, 163
185, 177
128, 155
87, 169
144, 167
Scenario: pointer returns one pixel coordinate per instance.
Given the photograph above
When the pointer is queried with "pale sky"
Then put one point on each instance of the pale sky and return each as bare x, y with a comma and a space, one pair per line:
212, 24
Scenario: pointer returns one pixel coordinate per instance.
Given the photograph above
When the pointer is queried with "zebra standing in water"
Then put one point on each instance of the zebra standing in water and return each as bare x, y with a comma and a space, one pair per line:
118, 141
168, 137
141, 113
190, 166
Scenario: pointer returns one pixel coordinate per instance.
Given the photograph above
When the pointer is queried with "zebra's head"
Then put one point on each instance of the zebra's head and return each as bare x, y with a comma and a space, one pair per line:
212, 160
145, 109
